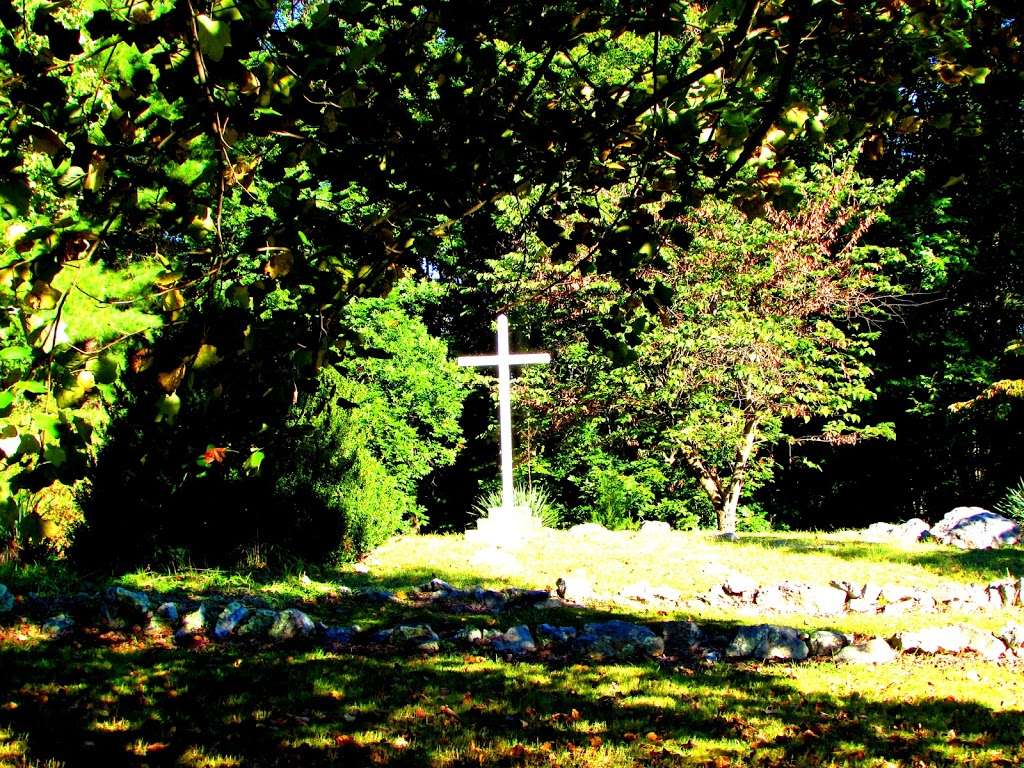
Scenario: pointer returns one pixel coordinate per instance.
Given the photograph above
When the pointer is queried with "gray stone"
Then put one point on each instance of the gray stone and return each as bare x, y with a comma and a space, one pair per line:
976, 528
525, 597
655, 528
6, 599
257, 624
59, 627
681, 636
232, 615
516, 640
910, 532
340, 635
825, 642
468, 636
767, 642
291, 624
866, 601
200, 620
955, 638
738, 585
788, 597
124, 609
874, 651
418, 636
617, 640
548, 635
489, 599
169, 612
438, 585
730, 536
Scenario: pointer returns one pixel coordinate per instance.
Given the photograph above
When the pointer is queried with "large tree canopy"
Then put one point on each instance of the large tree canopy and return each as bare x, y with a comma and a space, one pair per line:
248, 167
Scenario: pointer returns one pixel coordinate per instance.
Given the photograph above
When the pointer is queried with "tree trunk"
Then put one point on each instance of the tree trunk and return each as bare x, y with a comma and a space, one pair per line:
725, 496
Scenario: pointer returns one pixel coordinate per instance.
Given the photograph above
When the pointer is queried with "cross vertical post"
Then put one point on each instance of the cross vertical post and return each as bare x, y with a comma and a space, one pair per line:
504, 361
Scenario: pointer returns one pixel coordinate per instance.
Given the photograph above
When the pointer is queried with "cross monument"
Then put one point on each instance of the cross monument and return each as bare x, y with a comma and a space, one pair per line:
506, 517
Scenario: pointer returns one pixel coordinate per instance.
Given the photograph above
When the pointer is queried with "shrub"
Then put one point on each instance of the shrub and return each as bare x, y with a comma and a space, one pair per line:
536, 497
1012, 504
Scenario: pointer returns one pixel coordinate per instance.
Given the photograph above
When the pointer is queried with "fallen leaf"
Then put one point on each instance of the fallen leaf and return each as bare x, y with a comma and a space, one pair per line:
596, 741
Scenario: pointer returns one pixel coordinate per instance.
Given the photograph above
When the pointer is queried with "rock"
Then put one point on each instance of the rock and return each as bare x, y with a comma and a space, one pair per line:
976, 528
291, 624
681, 636
169, 612
525, 597
377, 595
418, 636
469, 636
866, 601
257, 624
910, 532
553, 603
488, 599
1005, 593
6, 599
731, 536
340, 635
874, 651
232, 615
548, 635
655, 528
825, 642
956, 638
200, 620
738, 585
617, 640
124, 609
516, 640
438, 585
589, 529
766, 642
59, 627
788, 597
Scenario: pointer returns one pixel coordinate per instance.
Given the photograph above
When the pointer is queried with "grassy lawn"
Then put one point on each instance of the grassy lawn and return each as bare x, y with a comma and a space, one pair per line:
106, 699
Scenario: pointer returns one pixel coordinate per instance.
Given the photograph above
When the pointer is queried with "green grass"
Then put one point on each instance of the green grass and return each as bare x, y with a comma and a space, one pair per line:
111, 700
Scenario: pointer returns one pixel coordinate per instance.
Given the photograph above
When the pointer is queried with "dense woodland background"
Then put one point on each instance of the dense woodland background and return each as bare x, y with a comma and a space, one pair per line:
773, 246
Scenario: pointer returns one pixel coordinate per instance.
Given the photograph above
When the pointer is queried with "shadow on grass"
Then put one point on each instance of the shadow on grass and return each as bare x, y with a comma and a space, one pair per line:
122, 701
227, 705
981, 565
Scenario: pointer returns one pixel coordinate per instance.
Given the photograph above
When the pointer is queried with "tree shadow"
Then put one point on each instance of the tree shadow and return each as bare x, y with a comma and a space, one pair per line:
119, 700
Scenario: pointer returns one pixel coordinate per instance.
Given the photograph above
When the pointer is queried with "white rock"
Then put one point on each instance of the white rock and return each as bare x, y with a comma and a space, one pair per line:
874, 651
976, 528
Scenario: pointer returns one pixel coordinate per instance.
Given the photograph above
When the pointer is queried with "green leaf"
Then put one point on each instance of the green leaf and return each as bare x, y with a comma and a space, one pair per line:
48, 425
214, 36
33, 387
6, 398
55, 455
16, 354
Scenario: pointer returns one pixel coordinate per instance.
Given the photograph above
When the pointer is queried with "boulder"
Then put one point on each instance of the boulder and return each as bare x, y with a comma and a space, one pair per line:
788, 597
655, 528
681, 636
229, 620
738, 585
956, 638
257, 624
767, 642
340, 635
516, 640
1012, 635
874, 651
291, 624
377, 595
200, 620
169, 612
976, 528
548, 635
617, 640
488, 599
825, 642
6, 599
124, 609
419, 637
910, 532
59, 627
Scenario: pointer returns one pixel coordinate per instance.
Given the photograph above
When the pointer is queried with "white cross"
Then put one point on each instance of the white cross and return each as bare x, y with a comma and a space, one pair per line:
504, 361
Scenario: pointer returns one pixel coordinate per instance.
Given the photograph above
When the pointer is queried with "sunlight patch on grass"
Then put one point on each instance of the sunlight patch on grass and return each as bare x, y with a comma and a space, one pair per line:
197, 757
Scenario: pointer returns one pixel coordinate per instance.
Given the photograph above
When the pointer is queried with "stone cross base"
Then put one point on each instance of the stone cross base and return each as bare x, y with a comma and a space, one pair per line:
505, 526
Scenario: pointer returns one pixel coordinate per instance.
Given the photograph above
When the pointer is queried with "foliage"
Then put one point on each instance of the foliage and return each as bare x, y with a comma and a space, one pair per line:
1012, 504
535, 497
